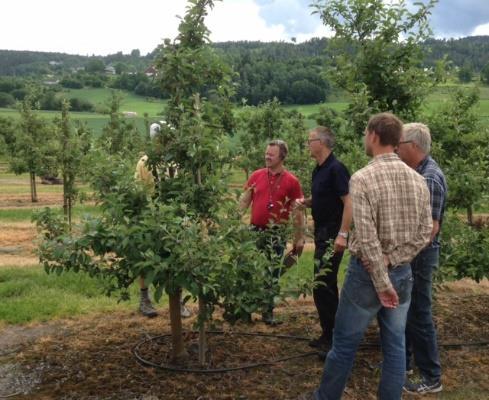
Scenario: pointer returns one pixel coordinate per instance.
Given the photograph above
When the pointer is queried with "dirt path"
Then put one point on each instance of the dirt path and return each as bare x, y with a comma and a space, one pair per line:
91, 357
17, 244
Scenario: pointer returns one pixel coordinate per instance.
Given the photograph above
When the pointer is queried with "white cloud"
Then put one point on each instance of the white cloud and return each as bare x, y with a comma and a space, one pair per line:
88, 27
481, 30
320, 31
240, 20
107, 26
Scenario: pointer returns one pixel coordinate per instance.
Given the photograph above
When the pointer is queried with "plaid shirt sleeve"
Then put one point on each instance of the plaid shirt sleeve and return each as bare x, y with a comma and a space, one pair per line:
407, 251
366, 234
437, 193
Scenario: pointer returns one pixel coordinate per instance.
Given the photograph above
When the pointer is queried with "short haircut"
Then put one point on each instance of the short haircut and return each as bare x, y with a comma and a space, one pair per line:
325, 135
419, 134
387, 127
282, 146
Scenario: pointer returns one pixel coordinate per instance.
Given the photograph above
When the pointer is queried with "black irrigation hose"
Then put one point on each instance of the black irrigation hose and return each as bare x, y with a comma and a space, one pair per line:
221, 370
367, 345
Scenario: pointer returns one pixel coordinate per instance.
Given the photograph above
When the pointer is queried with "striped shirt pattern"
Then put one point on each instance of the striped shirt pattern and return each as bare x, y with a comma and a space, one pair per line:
391, 215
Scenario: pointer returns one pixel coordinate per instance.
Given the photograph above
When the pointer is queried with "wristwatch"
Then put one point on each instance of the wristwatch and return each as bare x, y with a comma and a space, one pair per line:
343, 234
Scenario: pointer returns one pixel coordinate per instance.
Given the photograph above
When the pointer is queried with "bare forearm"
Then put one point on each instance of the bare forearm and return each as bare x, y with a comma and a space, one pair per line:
299, 225
245, 199
347, 214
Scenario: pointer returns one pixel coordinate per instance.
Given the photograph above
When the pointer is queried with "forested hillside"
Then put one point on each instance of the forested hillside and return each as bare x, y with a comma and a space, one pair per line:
293, 73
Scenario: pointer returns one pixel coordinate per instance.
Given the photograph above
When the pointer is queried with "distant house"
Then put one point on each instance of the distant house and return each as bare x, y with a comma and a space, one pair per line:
150, 71
110, 70
55, 63
51, 82
130, 114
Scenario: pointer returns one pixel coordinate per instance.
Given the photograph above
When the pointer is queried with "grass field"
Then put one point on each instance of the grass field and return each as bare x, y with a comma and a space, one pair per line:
97, 97
30, 295
130, 102
154, 107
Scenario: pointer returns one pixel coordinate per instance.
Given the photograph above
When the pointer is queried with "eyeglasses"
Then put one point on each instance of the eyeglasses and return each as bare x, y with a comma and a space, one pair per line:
406, 141
309, 141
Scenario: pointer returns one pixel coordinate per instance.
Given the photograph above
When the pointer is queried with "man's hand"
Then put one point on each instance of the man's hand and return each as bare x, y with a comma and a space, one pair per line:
299, 204
298, 247
388, 298
339, 244
435, 230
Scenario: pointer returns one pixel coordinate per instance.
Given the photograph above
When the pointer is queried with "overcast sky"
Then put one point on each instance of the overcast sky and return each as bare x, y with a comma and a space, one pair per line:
107, 26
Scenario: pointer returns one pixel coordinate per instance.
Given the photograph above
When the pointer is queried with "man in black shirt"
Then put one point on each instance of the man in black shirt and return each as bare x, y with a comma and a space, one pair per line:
332, 213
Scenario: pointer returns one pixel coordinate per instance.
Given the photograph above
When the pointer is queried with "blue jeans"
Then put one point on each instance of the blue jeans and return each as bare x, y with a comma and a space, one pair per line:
359, 304
420, 329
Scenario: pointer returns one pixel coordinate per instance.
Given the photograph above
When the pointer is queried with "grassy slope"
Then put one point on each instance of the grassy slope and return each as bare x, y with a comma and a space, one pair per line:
153, 107
97, 97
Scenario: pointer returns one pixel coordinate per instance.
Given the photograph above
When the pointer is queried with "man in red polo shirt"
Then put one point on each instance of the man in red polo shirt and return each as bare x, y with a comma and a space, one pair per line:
272, 191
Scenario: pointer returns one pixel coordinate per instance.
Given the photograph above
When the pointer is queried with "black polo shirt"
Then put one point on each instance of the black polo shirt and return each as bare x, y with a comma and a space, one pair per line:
329, 182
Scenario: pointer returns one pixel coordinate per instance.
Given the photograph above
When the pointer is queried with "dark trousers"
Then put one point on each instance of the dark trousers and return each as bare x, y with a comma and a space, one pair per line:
326, 293
272, 243
420, 329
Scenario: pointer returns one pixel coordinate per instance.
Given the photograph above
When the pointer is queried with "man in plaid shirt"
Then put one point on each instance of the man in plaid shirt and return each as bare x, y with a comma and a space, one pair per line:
414, 149
392, 223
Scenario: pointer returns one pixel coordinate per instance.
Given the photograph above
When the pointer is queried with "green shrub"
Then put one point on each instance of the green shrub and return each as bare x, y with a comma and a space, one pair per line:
463, 250
6, 99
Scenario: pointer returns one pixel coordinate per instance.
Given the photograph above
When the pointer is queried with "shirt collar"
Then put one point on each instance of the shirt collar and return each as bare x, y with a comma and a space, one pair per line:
386, 157
422, 165
328, 160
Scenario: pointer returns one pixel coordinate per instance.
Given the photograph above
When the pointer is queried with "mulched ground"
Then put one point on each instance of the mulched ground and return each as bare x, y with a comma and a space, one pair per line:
91, 358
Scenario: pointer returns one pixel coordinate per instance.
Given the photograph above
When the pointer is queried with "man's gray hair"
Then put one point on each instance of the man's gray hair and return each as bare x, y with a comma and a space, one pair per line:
325, 135
419, 134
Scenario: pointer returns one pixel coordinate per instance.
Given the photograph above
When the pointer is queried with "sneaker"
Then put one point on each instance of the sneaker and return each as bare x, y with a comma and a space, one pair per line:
184, 311
423, 387
146, 308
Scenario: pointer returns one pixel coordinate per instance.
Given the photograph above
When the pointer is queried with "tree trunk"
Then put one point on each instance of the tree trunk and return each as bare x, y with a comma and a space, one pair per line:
202, 335
65, 197
176, 327
70, 207
470, 215
33, 187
